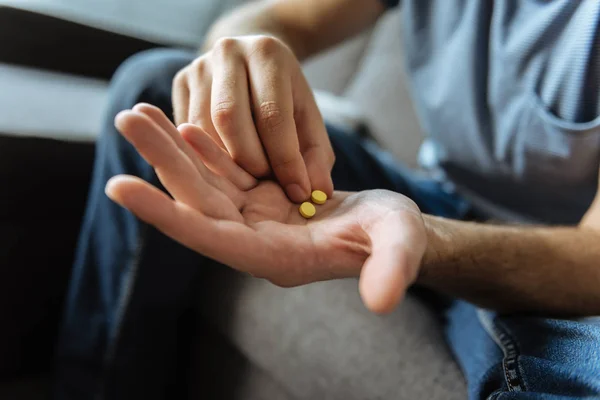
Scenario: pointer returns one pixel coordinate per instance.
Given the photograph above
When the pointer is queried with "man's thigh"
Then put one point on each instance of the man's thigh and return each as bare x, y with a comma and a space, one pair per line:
525, 357
319, 341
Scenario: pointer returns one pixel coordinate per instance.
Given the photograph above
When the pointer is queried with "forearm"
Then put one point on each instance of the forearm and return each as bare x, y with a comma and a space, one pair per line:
515, 269
306, 26
255, 18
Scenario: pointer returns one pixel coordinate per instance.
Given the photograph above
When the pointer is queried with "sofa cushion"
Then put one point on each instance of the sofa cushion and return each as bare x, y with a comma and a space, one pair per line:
53, 35
51, 105
179, 22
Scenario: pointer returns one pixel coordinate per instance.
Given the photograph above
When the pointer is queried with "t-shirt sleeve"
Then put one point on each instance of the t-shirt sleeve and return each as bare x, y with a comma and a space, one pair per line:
390, 3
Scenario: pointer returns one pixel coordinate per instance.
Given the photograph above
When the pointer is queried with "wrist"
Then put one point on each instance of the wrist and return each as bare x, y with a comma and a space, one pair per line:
438, 251
257, 19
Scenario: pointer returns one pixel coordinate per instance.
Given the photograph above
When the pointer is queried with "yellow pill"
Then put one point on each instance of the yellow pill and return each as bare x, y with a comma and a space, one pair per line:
307, 210
318, 197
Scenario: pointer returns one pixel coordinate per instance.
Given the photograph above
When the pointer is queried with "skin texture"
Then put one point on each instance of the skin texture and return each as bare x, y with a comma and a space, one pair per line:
513, 269
306, 26
378, 235
248, 92
250, 95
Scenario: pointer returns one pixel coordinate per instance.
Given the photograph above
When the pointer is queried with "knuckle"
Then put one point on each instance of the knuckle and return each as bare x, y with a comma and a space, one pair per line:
267, 47
180, 78
223, 46
223, 112
199, 65
271, 117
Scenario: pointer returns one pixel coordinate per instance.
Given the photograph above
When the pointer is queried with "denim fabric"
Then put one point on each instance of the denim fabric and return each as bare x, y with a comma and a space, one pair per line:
127, 326
119, 292
524, 357
390, 3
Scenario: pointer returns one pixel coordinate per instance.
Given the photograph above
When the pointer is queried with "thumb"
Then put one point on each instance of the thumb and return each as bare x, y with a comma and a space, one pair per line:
398, 245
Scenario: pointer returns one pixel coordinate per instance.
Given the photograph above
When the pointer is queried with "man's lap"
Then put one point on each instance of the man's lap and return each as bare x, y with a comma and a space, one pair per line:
319, 341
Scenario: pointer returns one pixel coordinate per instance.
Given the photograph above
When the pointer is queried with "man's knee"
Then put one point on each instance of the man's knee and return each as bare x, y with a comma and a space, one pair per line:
146, 77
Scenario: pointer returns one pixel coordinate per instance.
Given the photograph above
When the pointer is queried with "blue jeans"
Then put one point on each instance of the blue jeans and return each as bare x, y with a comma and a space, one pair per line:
127, 317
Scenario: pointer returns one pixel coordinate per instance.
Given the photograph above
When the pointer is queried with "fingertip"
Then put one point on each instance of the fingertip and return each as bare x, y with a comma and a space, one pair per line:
144, 107
186, 126
187, 132
125, 120
296, 193
383, 281
293, 177
377, 301
326, 186
319, 174
197, 138
191, 132
330, 191
321, 180
112, 187
117, 187
121, 117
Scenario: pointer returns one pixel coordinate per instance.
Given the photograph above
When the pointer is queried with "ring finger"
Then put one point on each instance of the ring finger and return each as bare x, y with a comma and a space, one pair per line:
200, 83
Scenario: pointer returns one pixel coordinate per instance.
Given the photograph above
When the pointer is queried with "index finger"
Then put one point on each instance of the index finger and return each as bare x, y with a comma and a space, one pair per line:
315, 145
274, 115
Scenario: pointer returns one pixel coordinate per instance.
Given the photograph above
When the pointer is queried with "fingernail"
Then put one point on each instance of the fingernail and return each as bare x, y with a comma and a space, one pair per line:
108, 189
295, 192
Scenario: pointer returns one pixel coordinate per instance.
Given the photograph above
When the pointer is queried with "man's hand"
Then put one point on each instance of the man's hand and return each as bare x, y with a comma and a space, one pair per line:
224, 213
250, 95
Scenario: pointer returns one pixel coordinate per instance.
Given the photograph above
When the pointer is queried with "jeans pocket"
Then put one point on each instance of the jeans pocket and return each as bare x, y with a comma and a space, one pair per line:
510, 347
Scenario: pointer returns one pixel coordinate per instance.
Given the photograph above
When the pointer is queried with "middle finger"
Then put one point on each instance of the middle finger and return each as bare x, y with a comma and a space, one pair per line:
174, 169
231, 112
156, 115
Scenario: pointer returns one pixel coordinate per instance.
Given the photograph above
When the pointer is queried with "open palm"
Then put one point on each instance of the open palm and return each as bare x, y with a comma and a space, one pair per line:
222, 212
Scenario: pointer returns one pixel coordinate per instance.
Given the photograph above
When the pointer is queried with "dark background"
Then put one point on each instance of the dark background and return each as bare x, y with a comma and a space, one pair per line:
43, 188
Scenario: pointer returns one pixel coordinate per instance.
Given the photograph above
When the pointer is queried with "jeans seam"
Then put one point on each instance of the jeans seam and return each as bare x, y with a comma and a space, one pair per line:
509, 346
495, 395
123, 303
